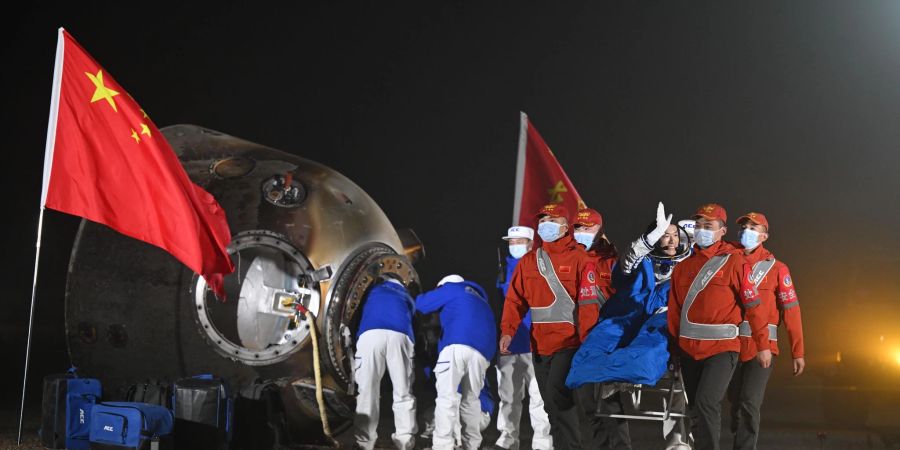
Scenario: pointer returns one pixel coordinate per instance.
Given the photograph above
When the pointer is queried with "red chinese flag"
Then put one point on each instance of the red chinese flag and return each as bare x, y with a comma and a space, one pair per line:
539, 178
107, 162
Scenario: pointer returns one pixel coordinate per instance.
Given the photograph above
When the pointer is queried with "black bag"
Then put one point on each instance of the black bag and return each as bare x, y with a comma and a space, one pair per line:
260, 420
203, 408
150, 391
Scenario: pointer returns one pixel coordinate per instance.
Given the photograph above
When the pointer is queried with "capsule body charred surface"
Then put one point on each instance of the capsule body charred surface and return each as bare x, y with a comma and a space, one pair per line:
302, 233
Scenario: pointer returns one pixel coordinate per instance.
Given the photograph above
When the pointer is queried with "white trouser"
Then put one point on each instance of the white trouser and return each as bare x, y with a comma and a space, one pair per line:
514, 373
375, 351
482, 425
457, 427
458, 366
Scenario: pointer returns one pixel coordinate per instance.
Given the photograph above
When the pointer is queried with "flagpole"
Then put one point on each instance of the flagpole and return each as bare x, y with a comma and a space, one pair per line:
37, 256
48, 164
520, 167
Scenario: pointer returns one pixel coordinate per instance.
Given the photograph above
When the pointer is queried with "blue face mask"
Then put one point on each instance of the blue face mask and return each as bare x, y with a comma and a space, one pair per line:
585, 239
549, 231
749, 239
518, 250
704, 238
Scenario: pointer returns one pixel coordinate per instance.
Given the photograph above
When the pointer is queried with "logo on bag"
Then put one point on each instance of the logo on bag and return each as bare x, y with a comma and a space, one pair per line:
108, 428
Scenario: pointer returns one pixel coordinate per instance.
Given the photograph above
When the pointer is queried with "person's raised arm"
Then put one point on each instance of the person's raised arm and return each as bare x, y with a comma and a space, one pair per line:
645, 243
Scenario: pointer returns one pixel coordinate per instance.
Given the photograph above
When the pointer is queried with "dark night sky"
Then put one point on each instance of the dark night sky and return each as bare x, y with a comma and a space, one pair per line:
789, 108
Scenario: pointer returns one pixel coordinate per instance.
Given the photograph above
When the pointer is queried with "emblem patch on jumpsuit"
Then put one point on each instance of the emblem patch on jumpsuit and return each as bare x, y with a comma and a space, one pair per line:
591, 277
787, 281
565, 269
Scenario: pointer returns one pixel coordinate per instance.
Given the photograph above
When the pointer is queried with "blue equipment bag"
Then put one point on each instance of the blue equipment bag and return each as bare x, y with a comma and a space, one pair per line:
66, 410
203, 408
83, 394
130, 425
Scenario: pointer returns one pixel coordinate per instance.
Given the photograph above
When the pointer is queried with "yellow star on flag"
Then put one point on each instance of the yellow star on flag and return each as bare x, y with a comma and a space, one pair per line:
102, 92
145, 129
556, 192
144, 113
135, 136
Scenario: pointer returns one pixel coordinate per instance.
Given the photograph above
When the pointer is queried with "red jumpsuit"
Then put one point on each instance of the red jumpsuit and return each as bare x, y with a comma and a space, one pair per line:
528, 289
777, 296
718, 303
555, 338
589, 312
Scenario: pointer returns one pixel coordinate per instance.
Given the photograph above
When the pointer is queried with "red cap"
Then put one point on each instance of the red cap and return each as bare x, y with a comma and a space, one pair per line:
588, 217
711, 211
553, 210
756, 218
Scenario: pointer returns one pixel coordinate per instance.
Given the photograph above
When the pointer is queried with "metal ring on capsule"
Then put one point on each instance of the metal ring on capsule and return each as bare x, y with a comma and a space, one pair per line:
254, 324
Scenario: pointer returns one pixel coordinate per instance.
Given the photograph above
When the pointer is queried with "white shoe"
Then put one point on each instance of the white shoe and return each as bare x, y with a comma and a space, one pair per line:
676, 442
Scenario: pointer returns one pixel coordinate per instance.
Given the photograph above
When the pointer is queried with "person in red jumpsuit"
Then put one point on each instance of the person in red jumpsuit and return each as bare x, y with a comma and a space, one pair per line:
779, 302
709, 298
553, 281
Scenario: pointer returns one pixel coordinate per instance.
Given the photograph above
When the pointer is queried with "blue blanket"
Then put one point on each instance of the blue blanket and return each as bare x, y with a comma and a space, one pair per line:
631, 342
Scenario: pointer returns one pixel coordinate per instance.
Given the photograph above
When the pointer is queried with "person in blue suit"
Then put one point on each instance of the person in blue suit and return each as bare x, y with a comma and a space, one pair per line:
467, 345
385, 342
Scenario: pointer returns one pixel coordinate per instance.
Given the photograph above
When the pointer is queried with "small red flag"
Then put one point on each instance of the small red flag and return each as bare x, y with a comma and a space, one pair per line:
539, 178
107, 162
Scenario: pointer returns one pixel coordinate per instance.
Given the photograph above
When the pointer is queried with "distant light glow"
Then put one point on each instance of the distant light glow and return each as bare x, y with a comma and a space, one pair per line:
838, 357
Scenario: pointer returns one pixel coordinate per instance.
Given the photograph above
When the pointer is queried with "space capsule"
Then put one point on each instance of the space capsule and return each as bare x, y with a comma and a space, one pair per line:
302, 233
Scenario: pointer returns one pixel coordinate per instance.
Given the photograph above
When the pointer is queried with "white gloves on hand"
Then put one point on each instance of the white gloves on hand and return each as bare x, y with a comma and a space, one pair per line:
662, 224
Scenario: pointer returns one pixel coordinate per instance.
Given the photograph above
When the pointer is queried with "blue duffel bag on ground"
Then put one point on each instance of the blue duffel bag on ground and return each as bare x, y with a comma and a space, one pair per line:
66, 410
130, 425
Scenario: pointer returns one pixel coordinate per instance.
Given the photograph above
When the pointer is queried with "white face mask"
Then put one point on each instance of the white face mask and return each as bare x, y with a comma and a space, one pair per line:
549, 231
704, 238
585, 239
749, 238
518, 250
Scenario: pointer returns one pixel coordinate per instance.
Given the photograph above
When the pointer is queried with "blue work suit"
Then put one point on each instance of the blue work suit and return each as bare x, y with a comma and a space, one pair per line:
521, 341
